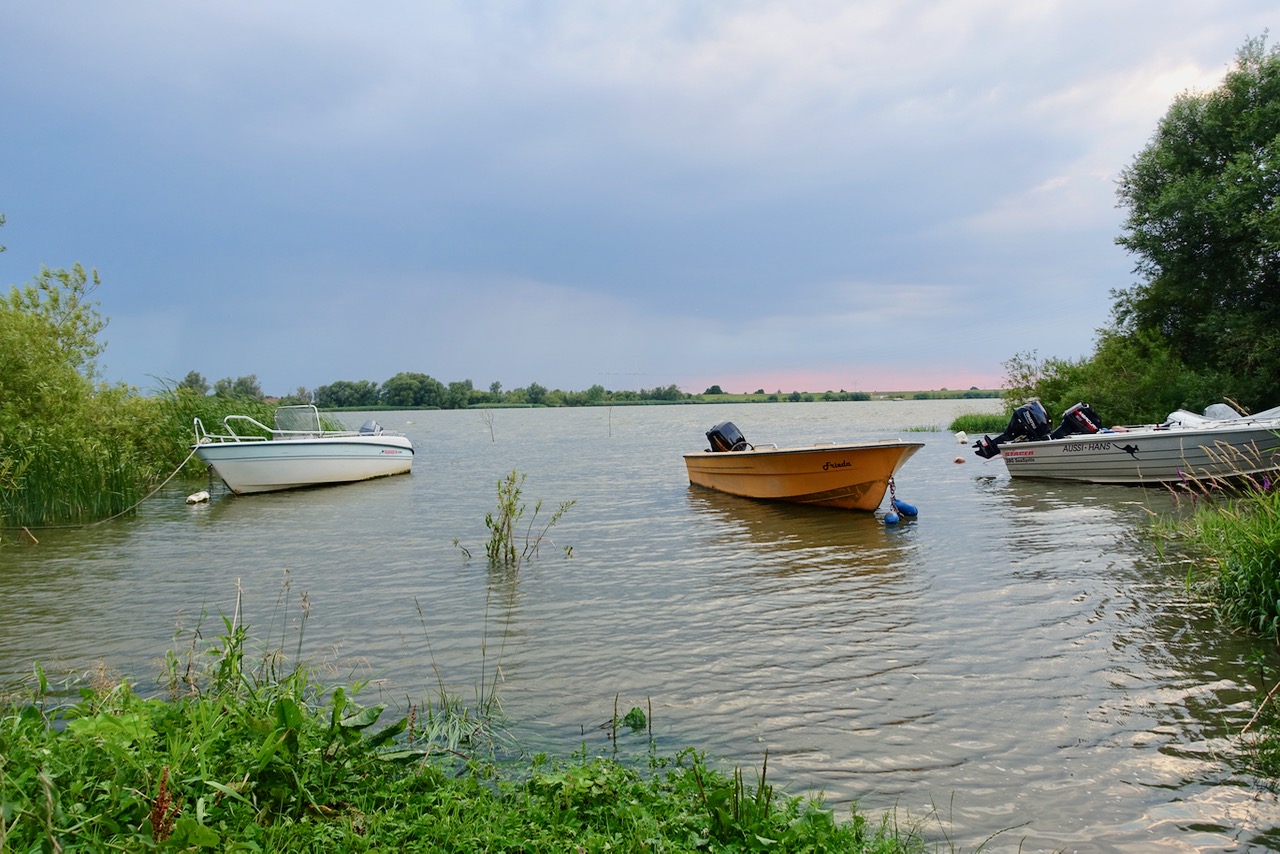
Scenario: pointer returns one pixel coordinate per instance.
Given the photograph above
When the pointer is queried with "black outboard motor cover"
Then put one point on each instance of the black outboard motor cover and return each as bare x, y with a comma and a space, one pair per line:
1030, 423
726, 437
1078, 419
371, 427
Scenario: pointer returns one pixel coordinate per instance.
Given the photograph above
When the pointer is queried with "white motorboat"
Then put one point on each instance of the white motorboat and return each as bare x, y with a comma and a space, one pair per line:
1220, 445
298, 452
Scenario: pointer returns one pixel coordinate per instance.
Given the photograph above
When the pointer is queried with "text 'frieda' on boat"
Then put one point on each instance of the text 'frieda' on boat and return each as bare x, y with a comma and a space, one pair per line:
1220, 445
851, 476
299, 452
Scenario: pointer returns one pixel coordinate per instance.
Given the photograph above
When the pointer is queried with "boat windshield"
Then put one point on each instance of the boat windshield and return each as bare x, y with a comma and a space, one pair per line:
298, 419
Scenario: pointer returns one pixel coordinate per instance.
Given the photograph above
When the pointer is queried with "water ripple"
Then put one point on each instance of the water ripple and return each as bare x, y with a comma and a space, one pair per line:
1018, 658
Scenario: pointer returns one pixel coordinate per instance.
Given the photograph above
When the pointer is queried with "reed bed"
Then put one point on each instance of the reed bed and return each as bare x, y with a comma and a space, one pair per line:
173, 429
976, 423
103, 458
69, 481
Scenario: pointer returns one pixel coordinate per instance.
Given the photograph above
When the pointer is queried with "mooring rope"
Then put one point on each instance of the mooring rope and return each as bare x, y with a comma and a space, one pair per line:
28, 528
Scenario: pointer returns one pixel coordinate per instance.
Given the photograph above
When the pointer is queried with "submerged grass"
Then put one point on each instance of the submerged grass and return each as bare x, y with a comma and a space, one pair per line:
251, 754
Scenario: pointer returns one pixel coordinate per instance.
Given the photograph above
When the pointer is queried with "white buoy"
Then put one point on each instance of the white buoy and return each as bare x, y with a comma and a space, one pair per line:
962, 437
198, 497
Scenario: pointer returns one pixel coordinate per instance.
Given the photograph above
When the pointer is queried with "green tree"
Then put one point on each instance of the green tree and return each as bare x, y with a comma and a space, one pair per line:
1129, 379
458, 395
246, 387
38, 377
298, 396
70, 447
715, 389
535, 394
348, 394
671, 392
59, 299
195, 382
1204, 223
413, 389
48, 352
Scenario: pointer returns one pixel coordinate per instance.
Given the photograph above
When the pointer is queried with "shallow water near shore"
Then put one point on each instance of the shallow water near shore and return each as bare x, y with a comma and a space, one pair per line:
1020, 662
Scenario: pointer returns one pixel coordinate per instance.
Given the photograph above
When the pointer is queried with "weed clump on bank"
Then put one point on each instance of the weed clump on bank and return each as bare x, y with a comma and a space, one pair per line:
249, 754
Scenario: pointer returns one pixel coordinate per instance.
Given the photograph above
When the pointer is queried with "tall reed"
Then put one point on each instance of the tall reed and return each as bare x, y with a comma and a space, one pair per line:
175, 411
55, 480
102, 457
1241, 533
977, 423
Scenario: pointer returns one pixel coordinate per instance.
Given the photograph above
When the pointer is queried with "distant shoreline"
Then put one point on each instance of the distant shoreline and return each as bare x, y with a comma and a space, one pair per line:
773, 397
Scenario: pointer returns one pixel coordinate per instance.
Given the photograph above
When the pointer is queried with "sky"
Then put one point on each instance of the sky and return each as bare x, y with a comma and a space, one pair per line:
851, 195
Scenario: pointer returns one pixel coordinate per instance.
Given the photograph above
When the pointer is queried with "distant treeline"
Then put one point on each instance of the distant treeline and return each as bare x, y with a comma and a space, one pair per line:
420, 391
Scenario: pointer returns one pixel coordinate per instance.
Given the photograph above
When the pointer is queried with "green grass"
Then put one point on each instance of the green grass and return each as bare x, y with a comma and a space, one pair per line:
1237, 539
975, 423
1241, 535
251, 754
55, 480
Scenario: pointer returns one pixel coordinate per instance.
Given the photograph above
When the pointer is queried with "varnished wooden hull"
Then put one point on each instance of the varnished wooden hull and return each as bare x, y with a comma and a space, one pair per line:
853, 476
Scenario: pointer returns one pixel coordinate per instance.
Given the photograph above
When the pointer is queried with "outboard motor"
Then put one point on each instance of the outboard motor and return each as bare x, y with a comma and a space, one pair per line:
726, 437
370, 428
1030, 423
1078, 419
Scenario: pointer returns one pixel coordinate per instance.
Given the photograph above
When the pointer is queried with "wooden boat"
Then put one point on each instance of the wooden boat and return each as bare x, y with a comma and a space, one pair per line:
1187, 447
298, 452
851, 476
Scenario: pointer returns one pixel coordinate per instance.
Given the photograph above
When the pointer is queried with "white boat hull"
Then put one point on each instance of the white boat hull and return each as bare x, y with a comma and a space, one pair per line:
247, 467
1150, 456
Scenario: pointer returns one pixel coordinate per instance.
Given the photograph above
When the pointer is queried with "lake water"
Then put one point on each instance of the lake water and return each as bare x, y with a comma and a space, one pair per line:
1020, 661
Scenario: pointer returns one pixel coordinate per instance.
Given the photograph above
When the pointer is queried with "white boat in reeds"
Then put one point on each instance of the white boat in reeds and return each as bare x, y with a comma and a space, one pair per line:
1220, 445
298, 452
851, 476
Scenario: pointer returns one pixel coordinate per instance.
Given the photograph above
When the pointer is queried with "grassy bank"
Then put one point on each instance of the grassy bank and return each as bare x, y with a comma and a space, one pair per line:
1242, 536
1237, 538
249, 754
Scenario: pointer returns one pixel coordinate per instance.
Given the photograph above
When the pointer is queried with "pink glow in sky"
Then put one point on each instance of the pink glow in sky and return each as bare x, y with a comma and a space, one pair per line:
798, 196
818, 382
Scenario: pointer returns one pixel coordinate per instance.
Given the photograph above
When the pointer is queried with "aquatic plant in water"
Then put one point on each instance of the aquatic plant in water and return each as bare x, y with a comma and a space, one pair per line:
507, 546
